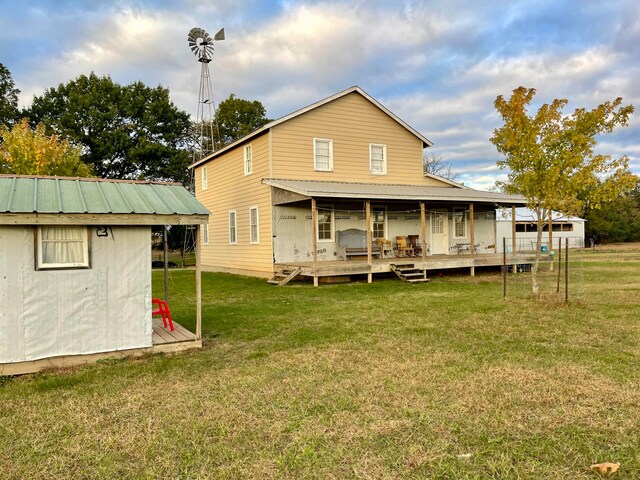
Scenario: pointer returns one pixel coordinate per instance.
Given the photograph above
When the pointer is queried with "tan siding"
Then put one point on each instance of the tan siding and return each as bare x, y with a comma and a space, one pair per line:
229, 189
352, 122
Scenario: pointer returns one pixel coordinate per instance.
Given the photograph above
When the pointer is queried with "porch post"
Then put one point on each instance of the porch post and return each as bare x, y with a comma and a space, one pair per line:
472, 239
368, 220
423, 232
550, 238
198, 284
314, 243
513, 235
165, 241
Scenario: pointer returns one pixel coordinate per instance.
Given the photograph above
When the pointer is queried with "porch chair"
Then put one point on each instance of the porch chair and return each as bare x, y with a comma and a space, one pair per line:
414, 242
404, 249
162, 308
386, 247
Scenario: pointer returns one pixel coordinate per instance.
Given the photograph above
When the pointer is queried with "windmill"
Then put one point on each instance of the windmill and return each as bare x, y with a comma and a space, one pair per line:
201, 44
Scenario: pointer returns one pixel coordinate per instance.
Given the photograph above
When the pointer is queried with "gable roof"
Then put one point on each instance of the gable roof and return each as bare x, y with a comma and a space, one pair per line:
379, 191
132, 202
425, 141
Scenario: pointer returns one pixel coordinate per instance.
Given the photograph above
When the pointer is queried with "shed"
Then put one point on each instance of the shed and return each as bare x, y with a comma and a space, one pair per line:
75, 269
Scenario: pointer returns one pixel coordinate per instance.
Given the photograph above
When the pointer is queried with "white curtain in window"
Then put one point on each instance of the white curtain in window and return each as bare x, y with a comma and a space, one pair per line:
63, 244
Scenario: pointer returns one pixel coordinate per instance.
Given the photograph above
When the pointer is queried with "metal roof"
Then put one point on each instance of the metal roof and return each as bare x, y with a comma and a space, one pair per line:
378, 191
62, 195
425, 141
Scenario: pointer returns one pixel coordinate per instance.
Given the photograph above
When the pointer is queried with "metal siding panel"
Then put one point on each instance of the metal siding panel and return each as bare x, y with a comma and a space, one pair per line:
115, 199
72, 201
135, 198
152, 198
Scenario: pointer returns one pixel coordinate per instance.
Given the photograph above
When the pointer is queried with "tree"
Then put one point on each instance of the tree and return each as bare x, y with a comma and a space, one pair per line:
237, 117
551, 157
434, 164
616, 221
31, 152
131, 131
8, 97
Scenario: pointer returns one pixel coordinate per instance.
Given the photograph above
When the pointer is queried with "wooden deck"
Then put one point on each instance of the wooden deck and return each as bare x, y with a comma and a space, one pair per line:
162, 335
359, 266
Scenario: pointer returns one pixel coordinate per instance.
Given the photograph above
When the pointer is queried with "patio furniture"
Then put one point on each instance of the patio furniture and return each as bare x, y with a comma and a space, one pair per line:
414, 241
162, 308
404, 249
354, 242
386, 247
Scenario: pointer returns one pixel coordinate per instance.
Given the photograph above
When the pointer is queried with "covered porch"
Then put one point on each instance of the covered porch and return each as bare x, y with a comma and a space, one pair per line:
323, 229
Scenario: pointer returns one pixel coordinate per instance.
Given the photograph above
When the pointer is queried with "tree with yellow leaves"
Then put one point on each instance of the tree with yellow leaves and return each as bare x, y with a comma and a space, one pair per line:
552, 161
24, 151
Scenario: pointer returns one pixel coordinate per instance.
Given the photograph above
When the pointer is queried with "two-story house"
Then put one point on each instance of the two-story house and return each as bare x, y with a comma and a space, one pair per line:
330, 190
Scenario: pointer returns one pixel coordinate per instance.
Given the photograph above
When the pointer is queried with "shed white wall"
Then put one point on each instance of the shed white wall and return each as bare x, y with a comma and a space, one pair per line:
49, 313
526, 240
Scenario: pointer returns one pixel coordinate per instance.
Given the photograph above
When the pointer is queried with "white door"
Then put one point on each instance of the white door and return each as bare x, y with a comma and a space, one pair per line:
439, 229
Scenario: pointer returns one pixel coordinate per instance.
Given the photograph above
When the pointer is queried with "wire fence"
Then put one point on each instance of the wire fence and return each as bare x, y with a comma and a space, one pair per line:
560, 275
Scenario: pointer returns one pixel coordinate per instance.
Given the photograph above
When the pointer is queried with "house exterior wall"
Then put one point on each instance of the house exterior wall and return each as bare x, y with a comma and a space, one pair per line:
46, 313
353, 123
229, 189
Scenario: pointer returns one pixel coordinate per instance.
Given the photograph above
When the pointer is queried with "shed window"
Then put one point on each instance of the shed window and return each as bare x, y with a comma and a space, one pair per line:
248, 155
378, 159
62, 247
323, 154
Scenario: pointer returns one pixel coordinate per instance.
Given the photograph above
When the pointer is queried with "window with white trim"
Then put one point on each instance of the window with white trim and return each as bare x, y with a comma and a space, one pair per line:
62, 247
253, 225
233, 234
325, 223
323, 154
204, 178
248, 154
378, 159
205, 234
459, 223
378, 218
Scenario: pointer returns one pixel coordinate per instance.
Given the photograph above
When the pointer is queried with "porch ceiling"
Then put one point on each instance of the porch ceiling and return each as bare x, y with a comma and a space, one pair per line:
379, 191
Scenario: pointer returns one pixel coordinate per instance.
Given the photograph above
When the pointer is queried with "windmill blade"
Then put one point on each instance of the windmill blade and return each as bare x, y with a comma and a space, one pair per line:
219, 35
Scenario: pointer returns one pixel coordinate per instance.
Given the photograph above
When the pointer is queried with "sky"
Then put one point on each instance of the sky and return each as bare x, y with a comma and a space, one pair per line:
438, 65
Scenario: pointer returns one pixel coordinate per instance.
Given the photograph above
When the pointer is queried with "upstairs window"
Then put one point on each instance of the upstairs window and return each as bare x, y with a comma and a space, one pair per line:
62, 247
378, 159
323, 154
248, 167
204, 178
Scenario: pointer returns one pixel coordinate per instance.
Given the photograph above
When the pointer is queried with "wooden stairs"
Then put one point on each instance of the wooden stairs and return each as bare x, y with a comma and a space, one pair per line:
284, 276
409, 273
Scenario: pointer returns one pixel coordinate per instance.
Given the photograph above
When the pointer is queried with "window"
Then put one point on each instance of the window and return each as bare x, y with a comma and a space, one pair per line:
459, 223
205, 234
437, 222
325, 223
323, 154
204, 178
233, 238
378, 159
248, 159
63, 247
253, 225
379, 217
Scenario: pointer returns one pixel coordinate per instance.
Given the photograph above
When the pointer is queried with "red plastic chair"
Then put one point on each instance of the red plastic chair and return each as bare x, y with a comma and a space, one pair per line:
162, 308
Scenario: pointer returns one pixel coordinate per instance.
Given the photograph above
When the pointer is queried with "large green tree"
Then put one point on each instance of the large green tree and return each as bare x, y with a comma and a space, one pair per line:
551, 159
131, 131
32, 152
237, 117
8, 97
616, 221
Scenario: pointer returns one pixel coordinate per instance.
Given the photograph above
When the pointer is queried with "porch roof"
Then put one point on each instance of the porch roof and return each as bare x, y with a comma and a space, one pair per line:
305, 189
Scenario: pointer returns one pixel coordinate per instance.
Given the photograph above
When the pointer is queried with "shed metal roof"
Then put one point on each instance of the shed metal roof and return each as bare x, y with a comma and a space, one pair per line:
377, 191
76, 196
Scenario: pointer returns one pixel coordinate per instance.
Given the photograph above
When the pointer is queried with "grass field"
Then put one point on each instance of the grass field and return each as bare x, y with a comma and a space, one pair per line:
440, 380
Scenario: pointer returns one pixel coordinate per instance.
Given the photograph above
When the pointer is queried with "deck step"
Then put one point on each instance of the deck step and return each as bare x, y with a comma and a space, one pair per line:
284, 276
410, 274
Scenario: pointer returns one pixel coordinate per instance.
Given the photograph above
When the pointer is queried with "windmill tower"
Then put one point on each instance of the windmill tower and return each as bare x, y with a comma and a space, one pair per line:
201, 44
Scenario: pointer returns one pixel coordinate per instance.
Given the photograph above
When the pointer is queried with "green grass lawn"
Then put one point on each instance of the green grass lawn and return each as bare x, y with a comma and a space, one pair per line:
387, 380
